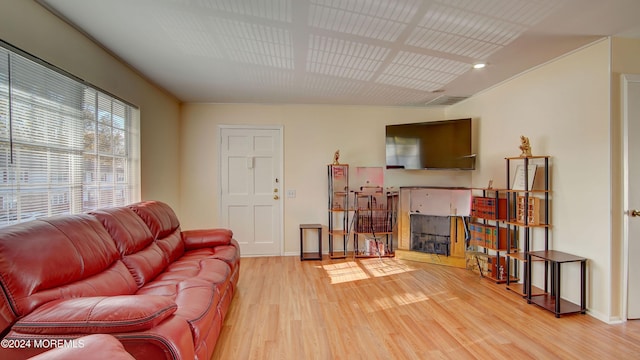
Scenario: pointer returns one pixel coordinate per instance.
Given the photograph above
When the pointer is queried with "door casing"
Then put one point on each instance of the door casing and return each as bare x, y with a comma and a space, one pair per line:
631, 277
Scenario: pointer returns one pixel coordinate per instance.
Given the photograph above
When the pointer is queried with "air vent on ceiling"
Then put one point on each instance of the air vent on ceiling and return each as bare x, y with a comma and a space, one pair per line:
446, 100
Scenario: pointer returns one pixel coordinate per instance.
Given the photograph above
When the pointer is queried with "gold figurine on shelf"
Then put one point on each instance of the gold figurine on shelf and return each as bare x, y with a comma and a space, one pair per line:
336, 157
525, 147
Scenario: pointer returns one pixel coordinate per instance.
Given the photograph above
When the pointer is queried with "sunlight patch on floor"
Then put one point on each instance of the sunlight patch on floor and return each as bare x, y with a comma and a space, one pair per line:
345, 272
354, 270
391, 302
384, 267
363, 269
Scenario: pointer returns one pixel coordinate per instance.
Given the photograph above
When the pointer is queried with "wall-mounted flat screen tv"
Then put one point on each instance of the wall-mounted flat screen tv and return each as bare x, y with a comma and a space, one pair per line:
430, 145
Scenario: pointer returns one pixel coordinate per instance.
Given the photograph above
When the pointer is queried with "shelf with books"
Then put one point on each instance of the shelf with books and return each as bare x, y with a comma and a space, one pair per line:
489, 266
492, 237
489, 208
488, 234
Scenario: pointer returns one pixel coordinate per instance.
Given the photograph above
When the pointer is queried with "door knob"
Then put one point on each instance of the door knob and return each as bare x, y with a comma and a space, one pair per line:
276, 197
635, 213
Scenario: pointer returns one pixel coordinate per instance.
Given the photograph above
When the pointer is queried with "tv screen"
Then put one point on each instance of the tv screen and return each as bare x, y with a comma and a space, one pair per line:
430, 145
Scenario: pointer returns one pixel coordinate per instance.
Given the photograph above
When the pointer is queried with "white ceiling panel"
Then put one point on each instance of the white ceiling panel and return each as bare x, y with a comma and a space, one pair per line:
190, 33
278, 10
267, 77
524, 12
421, 72
384, 94
343, 58
461, 32
383, 20
255, 44
330, 87
365, 52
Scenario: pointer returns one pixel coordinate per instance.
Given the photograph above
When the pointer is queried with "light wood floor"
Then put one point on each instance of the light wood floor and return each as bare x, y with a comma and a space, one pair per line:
393, 309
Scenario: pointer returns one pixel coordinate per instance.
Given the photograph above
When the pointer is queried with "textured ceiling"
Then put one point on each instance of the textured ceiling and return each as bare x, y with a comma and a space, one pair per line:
369, 52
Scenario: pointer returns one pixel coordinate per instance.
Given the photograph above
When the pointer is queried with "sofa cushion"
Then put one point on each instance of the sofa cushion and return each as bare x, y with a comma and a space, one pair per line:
164, 226
140, 253
41, 255
115, 280
213, 271
159, 217
146, 264
197, 302
126, 228
227, 253
93, 315
172, 246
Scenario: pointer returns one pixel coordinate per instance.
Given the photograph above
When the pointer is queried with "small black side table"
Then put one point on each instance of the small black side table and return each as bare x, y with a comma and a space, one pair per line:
552, 301
310, 255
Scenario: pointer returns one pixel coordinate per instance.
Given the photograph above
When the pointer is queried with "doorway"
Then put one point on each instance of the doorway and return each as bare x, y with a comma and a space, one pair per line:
631, 123
250, 168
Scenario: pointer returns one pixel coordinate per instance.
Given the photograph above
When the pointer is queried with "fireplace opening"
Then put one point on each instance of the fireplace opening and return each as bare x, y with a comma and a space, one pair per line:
430, 234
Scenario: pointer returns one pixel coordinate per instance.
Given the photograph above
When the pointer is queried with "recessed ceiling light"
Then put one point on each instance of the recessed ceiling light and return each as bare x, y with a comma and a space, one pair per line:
479, 65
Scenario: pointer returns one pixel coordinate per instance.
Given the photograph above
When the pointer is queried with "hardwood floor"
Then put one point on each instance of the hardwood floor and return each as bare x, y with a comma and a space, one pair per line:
394, 309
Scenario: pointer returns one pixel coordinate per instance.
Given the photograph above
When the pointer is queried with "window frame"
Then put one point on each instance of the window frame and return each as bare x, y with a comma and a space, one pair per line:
44, 140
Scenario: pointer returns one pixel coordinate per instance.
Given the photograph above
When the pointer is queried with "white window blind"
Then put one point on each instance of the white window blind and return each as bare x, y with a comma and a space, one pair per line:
65, 147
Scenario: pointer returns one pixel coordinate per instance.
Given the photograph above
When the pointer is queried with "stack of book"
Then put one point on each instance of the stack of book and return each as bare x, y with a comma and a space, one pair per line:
489, 208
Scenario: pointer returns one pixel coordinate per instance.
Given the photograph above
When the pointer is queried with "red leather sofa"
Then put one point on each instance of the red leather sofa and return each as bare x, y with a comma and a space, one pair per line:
130, 272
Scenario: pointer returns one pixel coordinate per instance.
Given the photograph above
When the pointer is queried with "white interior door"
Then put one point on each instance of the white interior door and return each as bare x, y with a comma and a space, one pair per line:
250, 170
631, 115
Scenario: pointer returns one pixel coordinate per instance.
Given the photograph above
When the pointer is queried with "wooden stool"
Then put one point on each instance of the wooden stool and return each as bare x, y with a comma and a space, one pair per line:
310, 256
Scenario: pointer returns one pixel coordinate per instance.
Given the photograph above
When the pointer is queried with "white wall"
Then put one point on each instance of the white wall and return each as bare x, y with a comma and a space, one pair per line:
564, 109
30, 27
312, 133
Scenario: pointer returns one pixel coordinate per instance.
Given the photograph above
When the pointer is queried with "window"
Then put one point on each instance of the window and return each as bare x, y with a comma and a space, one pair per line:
65, 146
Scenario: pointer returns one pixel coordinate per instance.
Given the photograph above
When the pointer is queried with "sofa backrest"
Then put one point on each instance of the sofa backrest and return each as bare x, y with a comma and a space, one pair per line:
58, 257
140, 253
164, 226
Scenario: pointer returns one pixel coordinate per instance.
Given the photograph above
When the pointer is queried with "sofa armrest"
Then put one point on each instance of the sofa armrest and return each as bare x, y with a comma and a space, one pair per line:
100, 314
197, 239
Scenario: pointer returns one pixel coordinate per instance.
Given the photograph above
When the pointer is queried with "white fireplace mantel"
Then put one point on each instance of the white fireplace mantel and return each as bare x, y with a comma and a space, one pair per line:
440, 201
